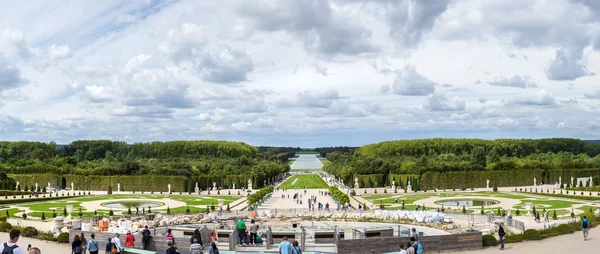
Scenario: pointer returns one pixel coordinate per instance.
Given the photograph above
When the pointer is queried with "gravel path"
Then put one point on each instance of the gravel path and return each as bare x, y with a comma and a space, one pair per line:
572, 243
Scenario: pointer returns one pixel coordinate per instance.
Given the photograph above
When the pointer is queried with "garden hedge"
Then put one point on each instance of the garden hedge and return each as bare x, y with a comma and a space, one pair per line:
339, 195
256, 197
489, 240
478, 179
94, 182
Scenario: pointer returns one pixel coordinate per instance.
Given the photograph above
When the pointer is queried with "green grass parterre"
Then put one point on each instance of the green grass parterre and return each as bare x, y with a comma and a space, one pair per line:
310, 181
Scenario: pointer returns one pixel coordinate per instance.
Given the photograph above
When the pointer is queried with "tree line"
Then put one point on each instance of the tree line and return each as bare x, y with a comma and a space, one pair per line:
464, 155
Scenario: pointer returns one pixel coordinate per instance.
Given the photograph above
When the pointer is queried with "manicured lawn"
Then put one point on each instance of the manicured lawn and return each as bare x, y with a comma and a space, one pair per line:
548, 204
11, 212
196, 204
310, 181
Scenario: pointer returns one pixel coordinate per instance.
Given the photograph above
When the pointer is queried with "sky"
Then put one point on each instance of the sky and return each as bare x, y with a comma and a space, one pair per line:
305, 73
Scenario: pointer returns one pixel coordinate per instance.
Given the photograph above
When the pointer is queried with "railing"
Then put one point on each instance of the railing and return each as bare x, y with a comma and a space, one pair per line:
403, 231
515, 224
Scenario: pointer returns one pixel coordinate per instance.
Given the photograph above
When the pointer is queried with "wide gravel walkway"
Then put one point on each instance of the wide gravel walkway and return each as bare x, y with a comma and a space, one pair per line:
572, 243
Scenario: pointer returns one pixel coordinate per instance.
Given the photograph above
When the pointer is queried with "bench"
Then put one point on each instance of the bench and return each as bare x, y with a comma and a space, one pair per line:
127, 250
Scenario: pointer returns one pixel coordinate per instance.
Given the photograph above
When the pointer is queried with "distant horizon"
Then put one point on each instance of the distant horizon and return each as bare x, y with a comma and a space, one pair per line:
593, 141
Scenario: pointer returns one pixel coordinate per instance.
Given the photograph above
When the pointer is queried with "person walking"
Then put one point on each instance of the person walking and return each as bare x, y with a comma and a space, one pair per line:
117, 242
84, 243
241, 227
585, 227
253, 232
145, 238
285, 247
196, 235
76, 245
92, 245
501, 234
109, 246
295, 248
129, 240
195, 247
213, 248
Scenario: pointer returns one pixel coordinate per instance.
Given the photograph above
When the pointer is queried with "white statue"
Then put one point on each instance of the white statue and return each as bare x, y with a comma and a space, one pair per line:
17, 186
393, 185
591, 182
249, 184
118, 187
488, 183
169, 186
534, 182
72, 187
214, 186
559, 181
234, 186
197, 189
36, 187
571, 181
49, 185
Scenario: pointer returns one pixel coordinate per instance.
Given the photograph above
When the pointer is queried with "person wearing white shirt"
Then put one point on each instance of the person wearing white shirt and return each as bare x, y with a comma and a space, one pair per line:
402, 250
117, 242
12, 242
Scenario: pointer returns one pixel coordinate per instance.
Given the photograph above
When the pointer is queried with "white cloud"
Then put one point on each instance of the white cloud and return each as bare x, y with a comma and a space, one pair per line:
409, 82
515, 81
439, 102
300, 73
538, 98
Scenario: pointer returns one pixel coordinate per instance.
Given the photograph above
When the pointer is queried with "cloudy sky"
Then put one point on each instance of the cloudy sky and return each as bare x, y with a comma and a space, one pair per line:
299, 72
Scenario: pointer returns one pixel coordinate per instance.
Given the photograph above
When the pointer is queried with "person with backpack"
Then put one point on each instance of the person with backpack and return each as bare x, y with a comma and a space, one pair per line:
11, 246
418, 248
145, 238
117, 243
295, 248
110, 246
585, 227
93, 245
76, 245
502, 234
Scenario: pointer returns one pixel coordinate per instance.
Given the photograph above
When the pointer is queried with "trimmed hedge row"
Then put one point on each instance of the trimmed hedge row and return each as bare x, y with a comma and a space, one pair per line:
29, 200
568, 228
478, 179
94, 182
258, 196
339, 195
577, 196
370, 181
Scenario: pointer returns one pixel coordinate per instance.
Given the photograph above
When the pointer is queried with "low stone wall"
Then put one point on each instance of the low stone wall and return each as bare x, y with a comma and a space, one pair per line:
431, 244
156, 243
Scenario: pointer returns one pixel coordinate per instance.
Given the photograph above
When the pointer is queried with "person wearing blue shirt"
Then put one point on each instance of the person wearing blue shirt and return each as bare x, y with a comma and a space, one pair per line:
93, 245
285, 247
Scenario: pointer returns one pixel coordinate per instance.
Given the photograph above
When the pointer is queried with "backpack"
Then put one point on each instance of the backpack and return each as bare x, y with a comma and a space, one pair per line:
9, 250
146, 235
584, 223
501, 232
418, 248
